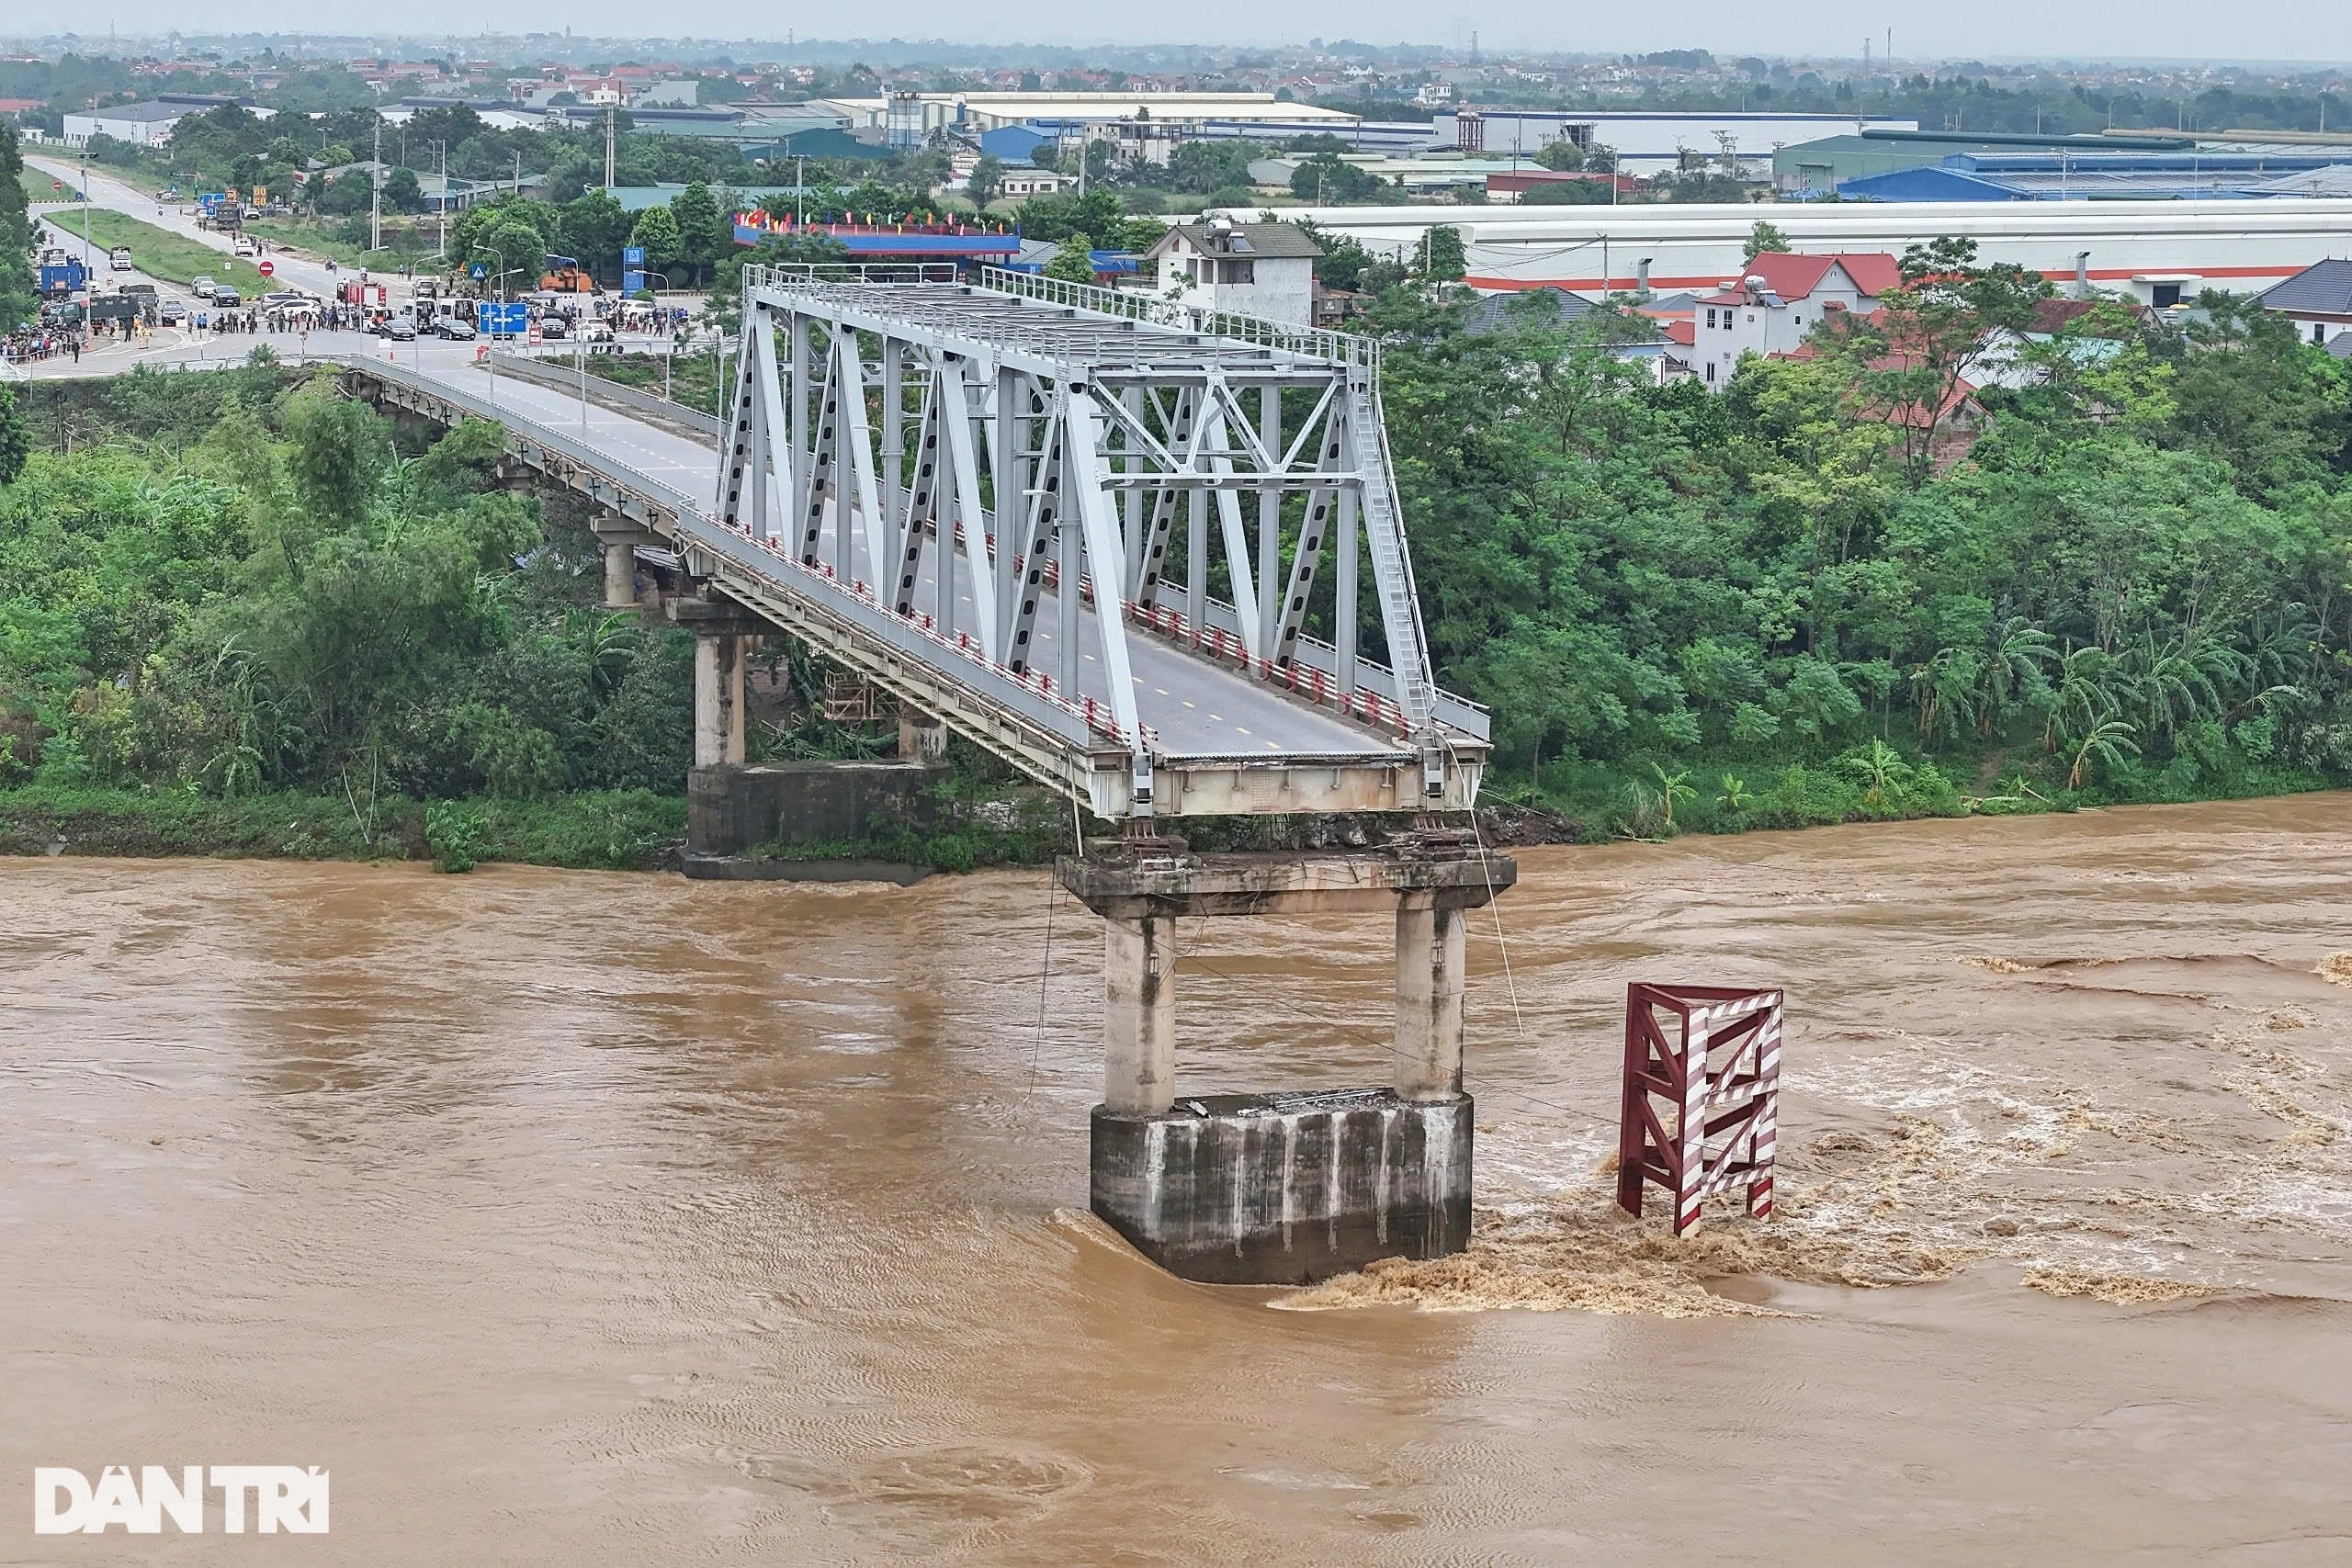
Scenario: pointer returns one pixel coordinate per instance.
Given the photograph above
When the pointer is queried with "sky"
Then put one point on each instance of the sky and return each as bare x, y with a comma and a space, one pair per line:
2301, 30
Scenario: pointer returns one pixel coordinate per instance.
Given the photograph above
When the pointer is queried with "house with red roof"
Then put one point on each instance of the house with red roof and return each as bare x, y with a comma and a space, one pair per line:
1781, 297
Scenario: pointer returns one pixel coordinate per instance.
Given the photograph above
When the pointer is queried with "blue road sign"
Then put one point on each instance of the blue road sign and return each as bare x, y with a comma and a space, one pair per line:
633, 255
478, 270
632, 280
493, 318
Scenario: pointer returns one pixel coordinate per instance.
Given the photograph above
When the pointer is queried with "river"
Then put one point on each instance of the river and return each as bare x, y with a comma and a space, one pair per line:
613, 1219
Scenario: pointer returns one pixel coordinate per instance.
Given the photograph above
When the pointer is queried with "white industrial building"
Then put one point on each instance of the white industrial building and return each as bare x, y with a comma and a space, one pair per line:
1649, 144
146, 124
976, 112
2244, 246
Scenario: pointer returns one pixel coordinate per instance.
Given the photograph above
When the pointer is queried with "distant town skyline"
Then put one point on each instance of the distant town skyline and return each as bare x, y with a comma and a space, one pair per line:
2266, 32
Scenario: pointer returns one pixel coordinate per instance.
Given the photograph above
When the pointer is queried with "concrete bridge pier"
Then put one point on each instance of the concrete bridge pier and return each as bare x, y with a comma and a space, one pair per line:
1284, 1188
734, 809
620, 537
922, 736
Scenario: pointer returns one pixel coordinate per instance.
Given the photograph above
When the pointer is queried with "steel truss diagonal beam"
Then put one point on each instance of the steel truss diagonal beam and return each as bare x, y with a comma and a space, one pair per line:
1005, 469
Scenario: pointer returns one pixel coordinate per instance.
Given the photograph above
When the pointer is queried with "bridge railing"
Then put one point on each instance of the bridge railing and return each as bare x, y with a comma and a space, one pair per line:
1135, 305
766, 275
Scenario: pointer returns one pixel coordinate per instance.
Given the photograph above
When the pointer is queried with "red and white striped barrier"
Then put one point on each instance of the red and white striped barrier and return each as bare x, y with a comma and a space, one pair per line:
1712, 1054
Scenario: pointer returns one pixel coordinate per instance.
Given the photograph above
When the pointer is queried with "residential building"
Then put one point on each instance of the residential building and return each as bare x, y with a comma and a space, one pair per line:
1252, 269
1034, 181
2318, 299
1778, 299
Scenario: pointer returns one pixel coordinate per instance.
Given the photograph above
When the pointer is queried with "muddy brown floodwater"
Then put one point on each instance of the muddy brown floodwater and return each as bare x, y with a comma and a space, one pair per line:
597, 1219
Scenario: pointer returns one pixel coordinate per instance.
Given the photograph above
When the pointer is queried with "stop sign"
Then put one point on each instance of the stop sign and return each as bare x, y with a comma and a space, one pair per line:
268, 268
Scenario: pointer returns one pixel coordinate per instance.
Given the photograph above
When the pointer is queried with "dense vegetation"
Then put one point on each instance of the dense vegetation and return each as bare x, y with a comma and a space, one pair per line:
249, 589
1803, 599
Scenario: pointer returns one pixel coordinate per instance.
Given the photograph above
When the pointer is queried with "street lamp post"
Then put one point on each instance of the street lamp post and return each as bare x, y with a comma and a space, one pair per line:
669, 341
491, 355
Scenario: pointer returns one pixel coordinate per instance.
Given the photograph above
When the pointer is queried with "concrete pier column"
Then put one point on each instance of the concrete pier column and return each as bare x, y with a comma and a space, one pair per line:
620, 537
922, 738
1432, 946
1139, 1015
1283, 1188
620, 576
718, 699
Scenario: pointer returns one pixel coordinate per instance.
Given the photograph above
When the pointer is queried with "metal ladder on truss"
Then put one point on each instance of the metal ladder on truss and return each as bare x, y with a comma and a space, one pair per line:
1392, 568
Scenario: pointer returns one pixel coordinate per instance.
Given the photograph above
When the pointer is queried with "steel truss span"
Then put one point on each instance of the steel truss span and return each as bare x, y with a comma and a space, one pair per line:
1120, 510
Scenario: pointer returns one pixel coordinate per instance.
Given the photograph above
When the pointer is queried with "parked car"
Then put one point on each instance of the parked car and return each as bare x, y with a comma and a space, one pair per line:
226, 297
202, 287
171, 313
400, 329
554, 329
457, 329
595, 331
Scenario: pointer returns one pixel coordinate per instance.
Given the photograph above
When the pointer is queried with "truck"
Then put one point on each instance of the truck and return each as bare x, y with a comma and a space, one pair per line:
61, 275
120, 308
118, 259
566, 275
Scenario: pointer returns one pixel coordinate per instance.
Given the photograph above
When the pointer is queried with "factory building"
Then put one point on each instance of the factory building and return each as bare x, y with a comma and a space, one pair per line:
2209, 173
2147, 248
1649, 144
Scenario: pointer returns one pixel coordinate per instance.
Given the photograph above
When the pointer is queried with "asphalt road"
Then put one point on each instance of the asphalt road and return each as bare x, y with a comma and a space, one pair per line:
108, 191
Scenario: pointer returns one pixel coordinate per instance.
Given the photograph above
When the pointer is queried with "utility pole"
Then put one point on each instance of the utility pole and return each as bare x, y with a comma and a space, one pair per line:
445, 199
90, 256
608, 147
376, 194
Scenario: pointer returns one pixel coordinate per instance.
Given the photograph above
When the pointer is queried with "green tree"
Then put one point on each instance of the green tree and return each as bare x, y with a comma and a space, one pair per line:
1442, 257
1328, 179
705, 233
1765, 237
986, 182
1568, 193
1071, 261
18, 302
402, 191
657, 232
515, 251
1200, 167
1909, 360
594, 228
1562, 155
15, 445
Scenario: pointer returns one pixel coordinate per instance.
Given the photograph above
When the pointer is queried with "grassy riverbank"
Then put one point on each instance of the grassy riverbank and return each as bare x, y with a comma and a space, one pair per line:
1592, 803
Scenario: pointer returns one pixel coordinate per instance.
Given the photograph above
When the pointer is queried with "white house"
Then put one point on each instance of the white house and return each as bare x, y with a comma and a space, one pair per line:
1034, 181
1781, 298
2318, 299
1253, 269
